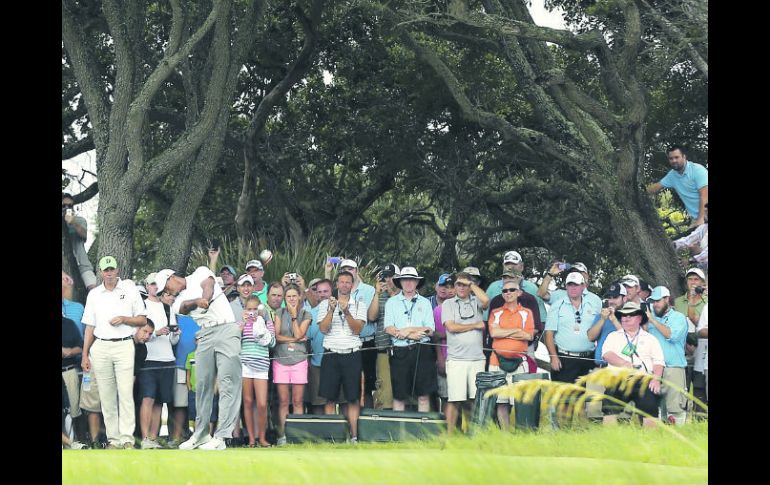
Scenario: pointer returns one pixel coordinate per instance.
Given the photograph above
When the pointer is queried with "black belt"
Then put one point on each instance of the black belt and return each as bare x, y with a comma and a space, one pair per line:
589, 353
66, 368
115, 339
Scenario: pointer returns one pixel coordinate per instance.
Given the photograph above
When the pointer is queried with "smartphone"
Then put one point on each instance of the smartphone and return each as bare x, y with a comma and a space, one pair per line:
564, 266
644, 306
334, 260
605, 304
173, 328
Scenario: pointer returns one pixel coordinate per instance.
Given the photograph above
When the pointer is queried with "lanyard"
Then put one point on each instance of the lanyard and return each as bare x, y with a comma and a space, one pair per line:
409, 311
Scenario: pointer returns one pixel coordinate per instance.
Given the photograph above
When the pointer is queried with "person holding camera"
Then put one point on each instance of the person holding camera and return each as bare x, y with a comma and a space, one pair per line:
258, 337
605, 322
462, 317
157, 375
553, 297
78, 232
341, 319
691, 305
670, 328
632, 347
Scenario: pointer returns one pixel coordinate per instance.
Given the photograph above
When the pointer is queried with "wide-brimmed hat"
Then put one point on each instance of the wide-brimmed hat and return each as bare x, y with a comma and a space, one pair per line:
408, 272
631, 308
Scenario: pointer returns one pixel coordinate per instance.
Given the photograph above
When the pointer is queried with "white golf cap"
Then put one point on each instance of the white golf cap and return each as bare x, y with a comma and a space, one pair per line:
574, 277
512, 257
161, 278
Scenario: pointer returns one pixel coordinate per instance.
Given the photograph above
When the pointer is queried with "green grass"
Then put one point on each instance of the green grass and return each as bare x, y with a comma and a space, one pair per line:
624, 454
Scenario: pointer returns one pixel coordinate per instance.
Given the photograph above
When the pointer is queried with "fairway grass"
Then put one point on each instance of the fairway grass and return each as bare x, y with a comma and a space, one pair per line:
618, 455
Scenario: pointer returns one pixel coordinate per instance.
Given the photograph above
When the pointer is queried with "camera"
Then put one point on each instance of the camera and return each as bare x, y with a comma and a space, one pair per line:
644, 306
699, 290
334, 260
605, 304
173, 328
564, 266
251, 314
69, 212
293, 277
380, 276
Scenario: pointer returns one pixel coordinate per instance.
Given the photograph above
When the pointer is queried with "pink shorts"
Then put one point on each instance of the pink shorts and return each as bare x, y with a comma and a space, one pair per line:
290, 374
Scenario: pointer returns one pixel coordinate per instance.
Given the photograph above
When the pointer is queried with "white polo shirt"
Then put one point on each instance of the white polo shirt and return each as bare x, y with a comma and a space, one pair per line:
102, 305
219, 310
647, 346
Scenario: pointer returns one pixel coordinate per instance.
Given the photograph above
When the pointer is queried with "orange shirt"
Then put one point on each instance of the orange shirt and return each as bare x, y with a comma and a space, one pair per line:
504, 318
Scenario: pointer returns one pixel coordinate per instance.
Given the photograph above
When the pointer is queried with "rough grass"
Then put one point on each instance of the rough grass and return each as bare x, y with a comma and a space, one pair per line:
623, 454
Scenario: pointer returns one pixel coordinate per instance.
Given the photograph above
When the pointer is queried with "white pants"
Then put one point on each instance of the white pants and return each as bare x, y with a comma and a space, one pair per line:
113, 368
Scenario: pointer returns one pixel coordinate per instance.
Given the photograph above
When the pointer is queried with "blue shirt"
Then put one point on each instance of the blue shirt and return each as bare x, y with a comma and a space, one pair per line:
606, 330
562, 320
694, 178
74, 311
316, 338
402, 313
366, 293
560, 294
673, 347
187, 341
496, 288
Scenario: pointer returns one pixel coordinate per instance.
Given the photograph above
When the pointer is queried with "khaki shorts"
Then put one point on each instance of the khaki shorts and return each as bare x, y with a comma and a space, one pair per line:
674, 401
72, 382
509, 378
180, 389
461, 378
89, 400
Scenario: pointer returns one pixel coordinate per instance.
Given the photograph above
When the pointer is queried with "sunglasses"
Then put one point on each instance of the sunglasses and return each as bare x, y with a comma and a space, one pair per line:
67, 206
510, 290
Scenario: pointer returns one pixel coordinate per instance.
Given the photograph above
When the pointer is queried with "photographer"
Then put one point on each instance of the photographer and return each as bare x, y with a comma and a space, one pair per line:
78, 233
691, 305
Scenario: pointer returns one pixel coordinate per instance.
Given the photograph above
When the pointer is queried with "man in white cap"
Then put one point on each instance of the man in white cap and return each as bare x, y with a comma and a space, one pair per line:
512, 261
256, 270
364, 292
566, 332
217, 356
631, 282
553, 297
670, 328
691, 305
409, 322
462, 317
113, 312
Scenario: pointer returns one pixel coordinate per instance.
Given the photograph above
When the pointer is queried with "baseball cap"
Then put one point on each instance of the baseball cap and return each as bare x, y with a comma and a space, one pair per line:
644, 286
348, 263
512, 257
445, 279
228, 268
697, 271
630, 280
575, 278
150, 279
255, 263
659, 292
161, 278
390, 269
245, 278
580, 267
472, 270
107, 262
313, 282
615, 290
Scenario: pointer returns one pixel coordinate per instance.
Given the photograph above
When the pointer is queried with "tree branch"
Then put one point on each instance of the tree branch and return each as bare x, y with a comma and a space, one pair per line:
75, 148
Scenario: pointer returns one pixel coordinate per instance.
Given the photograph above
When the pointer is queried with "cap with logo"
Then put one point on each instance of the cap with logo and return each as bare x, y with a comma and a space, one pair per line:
255, 263
107, 262
473, 271
512, 257
446, 279
630, 280
511, 273
615, 290
348, 263
390, 269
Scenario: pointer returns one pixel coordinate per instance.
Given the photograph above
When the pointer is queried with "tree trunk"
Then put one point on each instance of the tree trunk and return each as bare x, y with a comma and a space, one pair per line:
115, 217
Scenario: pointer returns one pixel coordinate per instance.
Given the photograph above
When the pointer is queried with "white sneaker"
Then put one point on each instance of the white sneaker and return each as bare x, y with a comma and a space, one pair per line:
281, 441
191, 444
214, 444
148, 444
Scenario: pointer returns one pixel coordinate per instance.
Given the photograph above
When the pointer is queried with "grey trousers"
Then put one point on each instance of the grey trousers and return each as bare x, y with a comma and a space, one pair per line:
218, 357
